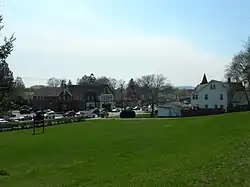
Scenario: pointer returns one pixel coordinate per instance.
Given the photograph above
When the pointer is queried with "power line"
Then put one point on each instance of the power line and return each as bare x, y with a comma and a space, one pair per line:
36, 78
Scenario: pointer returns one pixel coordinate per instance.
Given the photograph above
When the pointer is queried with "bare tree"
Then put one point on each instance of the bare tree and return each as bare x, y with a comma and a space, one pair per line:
239, 68
36, 87
53, 82
113, 83
122, 84
152, 86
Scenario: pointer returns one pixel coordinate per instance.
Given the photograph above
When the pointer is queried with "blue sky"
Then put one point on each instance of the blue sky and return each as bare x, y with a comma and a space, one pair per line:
181, 39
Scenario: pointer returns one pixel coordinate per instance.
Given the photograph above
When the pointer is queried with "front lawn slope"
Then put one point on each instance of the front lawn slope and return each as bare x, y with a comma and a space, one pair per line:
203, 151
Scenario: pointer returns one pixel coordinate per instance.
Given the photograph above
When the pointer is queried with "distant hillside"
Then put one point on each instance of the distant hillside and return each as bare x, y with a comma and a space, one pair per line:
184, 87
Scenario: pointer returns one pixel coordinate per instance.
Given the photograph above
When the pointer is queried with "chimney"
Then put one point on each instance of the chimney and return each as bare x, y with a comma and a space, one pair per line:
228, 80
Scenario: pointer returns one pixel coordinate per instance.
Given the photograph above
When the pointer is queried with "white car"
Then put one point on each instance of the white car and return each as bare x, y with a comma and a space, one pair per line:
3, 121
116, 110
50, 114
86, 113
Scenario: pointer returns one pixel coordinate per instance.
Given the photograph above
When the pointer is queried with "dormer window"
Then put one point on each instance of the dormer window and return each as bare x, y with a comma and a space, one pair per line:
212, 86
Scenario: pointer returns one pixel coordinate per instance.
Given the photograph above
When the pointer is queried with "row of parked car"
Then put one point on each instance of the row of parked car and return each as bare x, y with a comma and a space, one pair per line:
86, 113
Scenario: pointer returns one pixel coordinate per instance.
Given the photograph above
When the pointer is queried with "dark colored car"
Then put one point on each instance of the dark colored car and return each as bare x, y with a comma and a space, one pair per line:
25, 111
96, 111
69, 114
104, 113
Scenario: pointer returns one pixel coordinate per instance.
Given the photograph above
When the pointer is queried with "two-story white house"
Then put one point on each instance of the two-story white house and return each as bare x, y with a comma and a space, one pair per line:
215, 94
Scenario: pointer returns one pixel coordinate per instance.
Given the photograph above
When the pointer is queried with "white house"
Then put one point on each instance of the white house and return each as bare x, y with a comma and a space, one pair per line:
171, 109
215, 94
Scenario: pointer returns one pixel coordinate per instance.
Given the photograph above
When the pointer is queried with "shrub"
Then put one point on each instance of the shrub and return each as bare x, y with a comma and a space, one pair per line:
29, 124
127, 114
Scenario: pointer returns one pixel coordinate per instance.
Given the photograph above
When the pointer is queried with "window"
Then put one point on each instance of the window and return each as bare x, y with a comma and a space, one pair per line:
221, 96
196, 96
212, 86
221, 106
93, 98
206, 96
88, 98
215, 106
206, 106
193, 96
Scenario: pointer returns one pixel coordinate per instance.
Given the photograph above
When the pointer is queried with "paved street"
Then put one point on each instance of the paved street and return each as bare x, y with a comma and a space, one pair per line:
111, 114
16, 112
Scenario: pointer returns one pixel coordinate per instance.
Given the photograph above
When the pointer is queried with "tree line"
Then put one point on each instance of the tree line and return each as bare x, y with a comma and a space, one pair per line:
148, 86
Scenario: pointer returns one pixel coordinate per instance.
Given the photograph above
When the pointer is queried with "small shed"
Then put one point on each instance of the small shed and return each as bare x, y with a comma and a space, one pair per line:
171, 109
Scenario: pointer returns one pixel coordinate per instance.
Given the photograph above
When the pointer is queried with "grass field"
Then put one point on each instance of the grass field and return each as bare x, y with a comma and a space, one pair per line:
205, 151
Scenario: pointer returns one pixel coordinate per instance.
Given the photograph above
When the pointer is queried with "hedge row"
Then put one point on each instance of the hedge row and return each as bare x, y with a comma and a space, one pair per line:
29, 124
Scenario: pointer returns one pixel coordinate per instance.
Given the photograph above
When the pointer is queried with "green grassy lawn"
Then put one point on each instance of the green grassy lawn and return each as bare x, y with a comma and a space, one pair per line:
204, 151
147, 115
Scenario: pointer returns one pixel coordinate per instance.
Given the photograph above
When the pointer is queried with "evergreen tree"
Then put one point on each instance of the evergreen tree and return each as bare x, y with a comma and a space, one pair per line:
69, 82
6, 75
131, 89
19, 83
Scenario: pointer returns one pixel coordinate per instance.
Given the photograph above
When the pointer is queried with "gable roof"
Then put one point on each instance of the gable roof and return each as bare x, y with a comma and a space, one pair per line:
200, 87
48, 91
232, 86
97, 88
